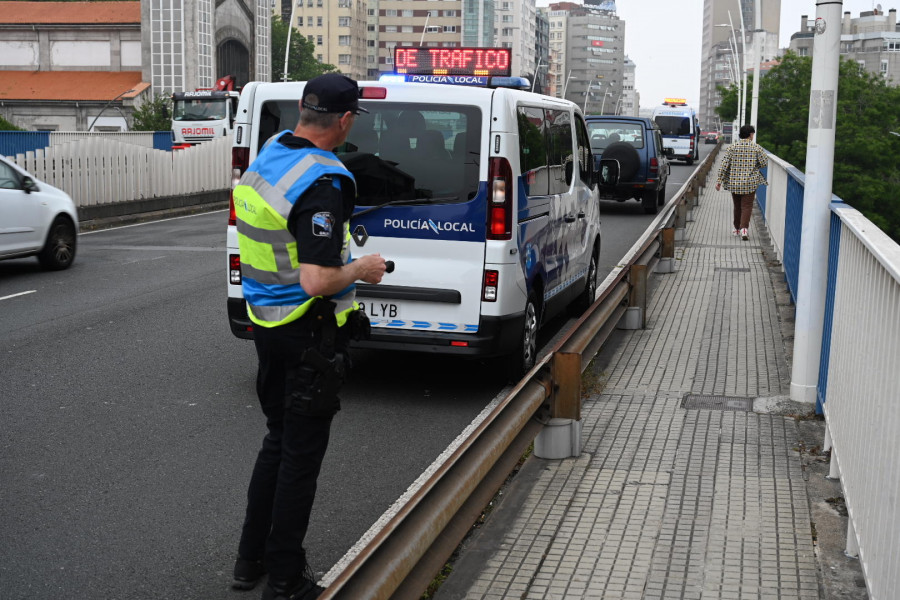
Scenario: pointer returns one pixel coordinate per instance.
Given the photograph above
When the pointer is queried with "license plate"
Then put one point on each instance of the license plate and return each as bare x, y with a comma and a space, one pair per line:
379, 310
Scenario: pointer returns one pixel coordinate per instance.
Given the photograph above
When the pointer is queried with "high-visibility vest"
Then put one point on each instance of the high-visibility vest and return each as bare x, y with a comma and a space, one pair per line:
263, 198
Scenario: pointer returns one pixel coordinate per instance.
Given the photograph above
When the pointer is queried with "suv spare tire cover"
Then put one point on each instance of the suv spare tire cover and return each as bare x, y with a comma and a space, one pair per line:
627, 155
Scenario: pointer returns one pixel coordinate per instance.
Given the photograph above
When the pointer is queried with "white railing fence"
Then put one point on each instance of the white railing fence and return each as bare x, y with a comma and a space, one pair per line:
862, 411
96, 170
137, 138
860, 379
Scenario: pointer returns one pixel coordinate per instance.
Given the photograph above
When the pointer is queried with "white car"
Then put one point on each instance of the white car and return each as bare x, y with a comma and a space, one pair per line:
35, 219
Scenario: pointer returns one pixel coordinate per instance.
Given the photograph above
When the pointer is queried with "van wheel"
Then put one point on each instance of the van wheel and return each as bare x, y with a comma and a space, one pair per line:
523, 358
586, 297
59, 250
689, 161
629, 161
648, 201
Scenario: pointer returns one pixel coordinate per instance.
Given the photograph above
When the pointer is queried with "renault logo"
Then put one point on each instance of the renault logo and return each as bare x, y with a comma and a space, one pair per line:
360, 236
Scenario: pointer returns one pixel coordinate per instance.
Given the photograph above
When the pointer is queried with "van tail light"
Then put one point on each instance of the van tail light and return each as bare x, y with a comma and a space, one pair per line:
491, 283
240, 160
654, 166
500, 194
234, 269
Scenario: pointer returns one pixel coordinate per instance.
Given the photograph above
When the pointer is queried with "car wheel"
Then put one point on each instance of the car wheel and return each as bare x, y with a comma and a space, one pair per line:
525, 355
648, 201
59, 250
661, 196
627, 155
586, 297
689, 161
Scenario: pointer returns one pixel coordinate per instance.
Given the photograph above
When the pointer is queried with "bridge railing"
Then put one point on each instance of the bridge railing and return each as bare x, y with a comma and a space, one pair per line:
859, 375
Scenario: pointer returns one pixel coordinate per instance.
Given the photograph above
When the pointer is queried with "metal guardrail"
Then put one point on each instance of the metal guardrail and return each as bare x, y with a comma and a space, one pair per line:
399, 557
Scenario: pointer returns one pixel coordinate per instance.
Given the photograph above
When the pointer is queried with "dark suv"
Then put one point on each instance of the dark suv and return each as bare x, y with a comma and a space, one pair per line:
643, 162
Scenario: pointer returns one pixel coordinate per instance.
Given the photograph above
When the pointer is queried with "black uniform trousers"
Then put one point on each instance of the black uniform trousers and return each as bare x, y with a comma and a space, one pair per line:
283, 485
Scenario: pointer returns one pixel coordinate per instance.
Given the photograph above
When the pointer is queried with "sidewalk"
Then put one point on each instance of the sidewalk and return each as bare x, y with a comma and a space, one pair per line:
692, 482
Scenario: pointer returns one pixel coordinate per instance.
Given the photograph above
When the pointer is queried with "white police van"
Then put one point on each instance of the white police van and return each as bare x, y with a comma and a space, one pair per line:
484, 198
680, 129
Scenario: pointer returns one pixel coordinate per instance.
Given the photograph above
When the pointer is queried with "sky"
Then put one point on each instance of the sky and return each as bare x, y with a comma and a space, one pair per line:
663, 39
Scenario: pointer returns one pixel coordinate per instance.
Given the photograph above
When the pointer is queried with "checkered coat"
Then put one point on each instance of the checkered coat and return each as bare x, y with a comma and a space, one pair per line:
740, 171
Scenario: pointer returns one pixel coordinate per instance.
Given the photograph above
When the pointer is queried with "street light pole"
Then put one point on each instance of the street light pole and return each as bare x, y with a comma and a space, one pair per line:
603, 104
566, 84
814, 241
287, 46
757, 59
105, 106
586, 96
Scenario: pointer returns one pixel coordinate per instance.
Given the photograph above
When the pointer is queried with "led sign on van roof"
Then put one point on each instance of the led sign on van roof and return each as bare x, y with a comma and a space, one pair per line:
490, 62
675, 101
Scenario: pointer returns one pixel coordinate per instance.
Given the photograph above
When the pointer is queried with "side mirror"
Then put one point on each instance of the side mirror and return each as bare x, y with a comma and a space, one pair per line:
607, 175
28, 185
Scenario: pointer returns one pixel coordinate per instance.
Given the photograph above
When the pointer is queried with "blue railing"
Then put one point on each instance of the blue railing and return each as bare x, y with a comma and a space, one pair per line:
793, 227
834, 251
20, 142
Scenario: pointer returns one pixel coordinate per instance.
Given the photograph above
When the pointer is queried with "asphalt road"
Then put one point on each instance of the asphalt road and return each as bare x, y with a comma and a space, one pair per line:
129, 426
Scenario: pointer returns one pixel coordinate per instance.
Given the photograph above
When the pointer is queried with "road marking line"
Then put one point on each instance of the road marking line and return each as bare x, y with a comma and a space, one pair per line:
15, 295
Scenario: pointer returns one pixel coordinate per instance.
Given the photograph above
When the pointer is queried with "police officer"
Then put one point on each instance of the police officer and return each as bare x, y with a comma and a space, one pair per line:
293, 208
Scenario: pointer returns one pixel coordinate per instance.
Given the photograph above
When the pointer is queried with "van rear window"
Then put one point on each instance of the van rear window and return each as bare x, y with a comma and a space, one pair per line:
673, 125
402, 151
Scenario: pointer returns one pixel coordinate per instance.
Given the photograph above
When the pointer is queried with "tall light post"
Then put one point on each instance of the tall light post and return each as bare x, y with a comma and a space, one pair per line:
287, 46
757, 59
587, 95
105, 106
566, 84
741, 71
537, 72
603, 104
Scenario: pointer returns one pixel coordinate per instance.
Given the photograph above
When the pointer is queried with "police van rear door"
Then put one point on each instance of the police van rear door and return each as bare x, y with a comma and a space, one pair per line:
421, 203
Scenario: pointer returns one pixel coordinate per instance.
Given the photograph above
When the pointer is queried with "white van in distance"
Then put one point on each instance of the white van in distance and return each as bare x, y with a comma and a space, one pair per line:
484, 198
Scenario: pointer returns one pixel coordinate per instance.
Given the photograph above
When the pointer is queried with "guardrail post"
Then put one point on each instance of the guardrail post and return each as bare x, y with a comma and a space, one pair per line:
689, 201
635, 314
561, 436
667, 251
680, 220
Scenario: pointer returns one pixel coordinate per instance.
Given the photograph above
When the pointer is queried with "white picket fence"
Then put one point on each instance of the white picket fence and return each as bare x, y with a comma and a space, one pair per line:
95, 170
137, 138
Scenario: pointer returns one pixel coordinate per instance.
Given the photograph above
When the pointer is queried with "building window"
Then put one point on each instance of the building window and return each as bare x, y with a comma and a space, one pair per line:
407, 13
343, 59
345, 4
311, 39
370, 28
884, 68
406, 29
343, 21
343, 40
449, 28
318, 40
390, 29
318, 21
319, 57
391, 12
371, 12
309, 21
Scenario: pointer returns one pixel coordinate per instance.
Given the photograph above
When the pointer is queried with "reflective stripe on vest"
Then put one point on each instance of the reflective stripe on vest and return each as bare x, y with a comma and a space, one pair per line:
263, 200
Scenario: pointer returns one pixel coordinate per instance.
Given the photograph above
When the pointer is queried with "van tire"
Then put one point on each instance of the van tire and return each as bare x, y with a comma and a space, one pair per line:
648, 201
525, 355
627, 155
586, 297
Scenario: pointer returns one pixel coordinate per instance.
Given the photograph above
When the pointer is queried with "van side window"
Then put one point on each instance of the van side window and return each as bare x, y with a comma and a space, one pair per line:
585, 160
560, 150
533, 151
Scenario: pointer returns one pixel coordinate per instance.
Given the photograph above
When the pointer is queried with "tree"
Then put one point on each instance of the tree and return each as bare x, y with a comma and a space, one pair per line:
7, 126
866, 155
302, 63
153, 115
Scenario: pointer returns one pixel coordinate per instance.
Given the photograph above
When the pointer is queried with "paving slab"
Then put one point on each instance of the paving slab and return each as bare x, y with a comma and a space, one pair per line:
671, 499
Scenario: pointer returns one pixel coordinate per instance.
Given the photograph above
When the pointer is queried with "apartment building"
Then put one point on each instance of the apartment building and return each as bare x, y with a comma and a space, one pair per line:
588, 55
629, 102
726, 52
338, 29
872, 40
515, 25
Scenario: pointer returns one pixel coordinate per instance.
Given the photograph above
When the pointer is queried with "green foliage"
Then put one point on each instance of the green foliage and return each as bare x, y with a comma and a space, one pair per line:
7, 126
866, 155
302, 63
154, 115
